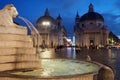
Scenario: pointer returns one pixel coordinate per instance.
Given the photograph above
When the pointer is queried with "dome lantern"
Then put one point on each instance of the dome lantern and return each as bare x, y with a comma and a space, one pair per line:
91, 8
46, 12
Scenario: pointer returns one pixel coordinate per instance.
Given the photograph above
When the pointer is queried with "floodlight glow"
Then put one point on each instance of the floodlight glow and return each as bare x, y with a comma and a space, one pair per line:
45, 23
68, 40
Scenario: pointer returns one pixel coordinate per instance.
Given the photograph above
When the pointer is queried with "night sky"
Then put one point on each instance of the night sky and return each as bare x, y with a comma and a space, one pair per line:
33, 9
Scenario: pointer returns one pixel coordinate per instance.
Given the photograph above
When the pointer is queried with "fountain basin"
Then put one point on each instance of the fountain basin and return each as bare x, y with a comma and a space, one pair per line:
61, 69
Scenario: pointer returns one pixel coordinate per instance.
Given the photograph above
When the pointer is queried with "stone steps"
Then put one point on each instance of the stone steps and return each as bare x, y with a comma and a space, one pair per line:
15, 40
18, 58
7, 51
13, 30
11, 51
14, 37
16, 44
16, 49
19, 66
26, 50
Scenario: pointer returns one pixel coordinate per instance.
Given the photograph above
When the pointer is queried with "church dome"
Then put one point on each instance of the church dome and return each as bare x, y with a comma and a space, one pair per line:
91, 15
46, 18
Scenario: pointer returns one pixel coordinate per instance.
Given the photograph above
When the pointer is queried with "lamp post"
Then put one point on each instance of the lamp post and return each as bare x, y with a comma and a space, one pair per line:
47, 25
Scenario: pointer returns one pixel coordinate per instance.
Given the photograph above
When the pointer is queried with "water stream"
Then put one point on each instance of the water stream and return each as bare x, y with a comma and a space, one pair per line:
34, 32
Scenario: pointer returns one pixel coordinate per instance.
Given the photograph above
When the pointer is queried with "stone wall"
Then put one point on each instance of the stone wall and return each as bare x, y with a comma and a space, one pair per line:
79, 77
16, 49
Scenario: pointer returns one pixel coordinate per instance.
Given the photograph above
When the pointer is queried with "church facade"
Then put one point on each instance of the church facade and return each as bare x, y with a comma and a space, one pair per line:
52, 31
90, 30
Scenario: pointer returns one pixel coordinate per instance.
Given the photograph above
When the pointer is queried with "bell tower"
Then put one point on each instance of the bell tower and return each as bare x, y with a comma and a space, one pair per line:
46, 12
77, 18
59, 20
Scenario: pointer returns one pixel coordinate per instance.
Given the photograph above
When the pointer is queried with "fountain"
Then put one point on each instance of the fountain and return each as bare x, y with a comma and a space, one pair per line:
17, 55
16, 48
34, 33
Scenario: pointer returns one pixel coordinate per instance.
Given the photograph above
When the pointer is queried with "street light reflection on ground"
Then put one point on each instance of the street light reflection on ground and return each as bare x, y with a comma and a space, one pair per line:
47, 54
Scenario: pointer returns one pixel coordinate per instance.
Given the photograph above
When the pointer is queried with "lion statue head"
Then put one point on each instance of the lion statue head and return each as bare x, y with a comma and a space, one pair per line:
11, 10
7, 14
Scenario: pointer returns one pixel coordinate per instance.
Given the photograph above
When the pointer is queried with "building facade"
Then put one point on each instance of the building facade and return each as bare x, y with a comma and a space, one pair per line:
52, 31
90, 29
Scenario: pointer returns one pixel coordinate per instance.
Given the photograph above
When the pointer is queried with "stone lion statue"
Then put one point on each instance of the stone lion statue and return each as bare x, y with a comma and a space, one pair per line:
7, 14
